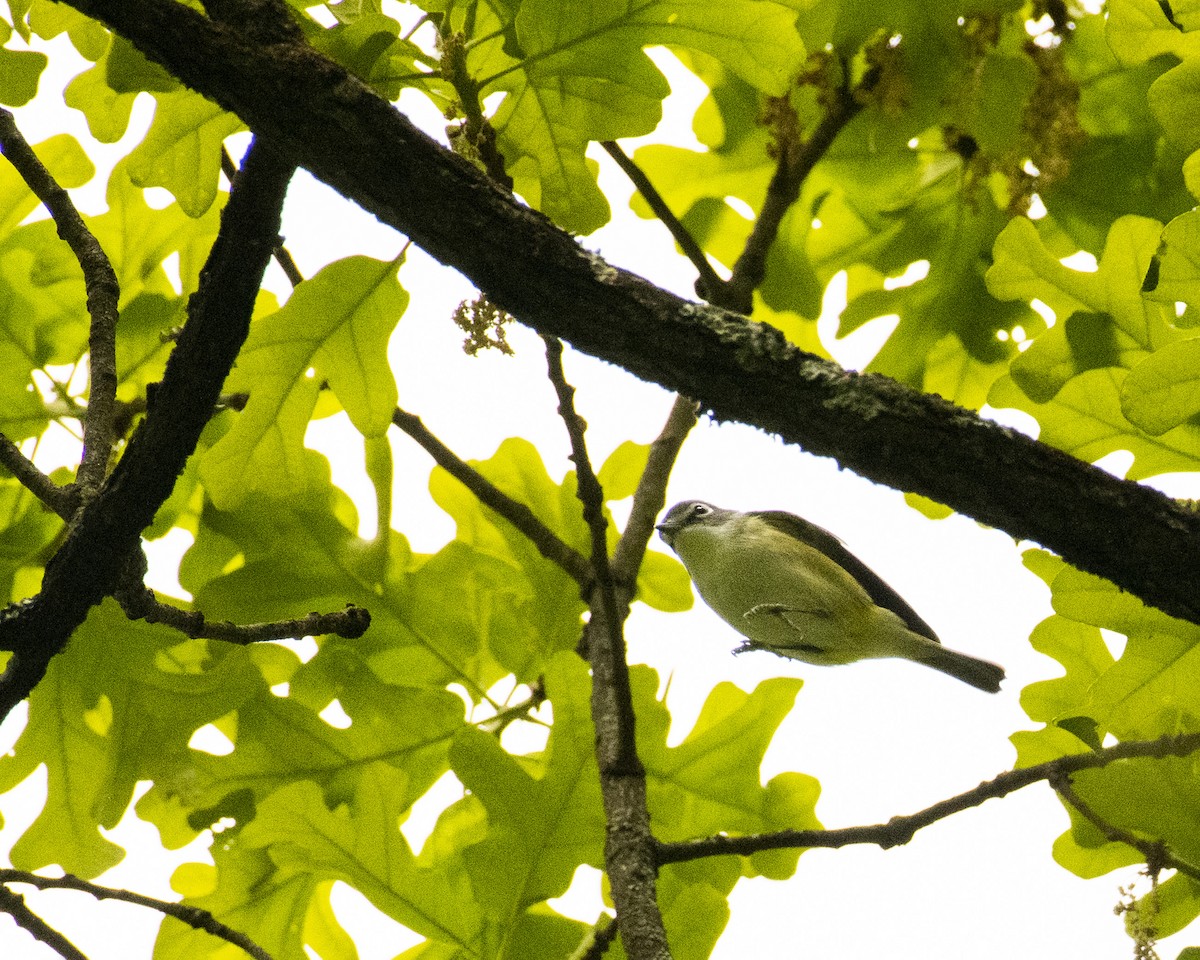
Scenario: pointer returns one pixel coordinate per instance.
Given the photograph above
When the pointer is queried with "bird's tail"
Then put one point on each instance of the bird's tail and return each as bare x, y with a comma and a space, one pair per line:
981, 674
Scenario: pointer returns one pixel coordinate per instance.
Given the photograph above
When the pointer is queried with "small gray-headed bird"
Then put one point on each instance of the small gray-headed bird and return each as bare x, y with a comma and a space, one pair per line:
791, 587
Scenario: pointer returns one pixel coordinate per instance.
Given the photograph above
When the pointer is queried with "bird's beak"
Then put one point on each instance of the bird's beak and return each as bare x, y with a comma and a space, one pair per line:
667, 533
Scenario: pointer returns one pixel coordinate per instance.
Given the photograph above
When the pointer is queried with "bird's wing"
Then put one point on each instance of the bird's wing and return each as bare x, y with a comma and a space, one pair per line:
820, 539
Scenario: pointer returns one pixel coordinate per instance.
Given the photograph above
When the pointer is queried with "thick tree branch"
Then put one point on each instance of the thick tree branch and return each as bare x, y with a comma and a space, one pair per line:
283, 256
900, 830
90, 564
629, 843
520, 516
103, 293
193, 916
357, 143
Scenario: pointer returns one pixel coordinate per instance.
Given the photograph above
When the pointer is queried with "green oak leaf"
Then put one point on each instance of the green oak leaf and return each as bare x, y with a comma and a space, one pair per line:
1086, 420
105, 93
182, 150
1149, 690
621, 471
709, 783
26, 531
1163, 391
997, 111
20, 71
137, 239
1107, 324
360, 843
582, 75
334, 328
1174, 97
694, 914
369, 45
68, 164
118, 706
1150, 798
144, 344
436, 620
1174, 271
1156, 681
106, 110
1175, 903
127, 70
279, 910
545, 816
48, 20
553, 606
1024, 269
281, 739
1139, 30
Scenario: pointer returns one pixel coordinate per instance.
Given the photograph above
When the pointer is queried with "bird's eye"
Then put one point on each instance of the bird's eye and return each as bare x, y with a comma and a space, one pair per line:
701, 509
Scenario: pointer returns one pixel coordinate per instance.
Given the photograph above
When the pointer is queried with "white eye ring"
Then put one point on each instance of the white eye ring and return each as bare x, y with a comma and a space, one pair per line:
701, 509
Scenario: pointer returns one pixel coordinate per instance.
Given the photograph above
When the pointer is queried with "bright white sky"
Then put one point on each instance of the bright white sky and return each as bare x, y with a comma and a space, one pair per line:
884, 737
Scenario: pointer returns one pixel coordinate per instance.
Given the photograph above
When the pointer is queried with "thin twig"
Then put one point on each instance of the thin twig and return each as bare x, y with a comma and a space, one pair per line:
520, 516
14, 905
629, 844
602, 938
900, 830
650, 496
62, 500
796, 162
1154, 852
193, 916
103, 293
708, 278
591, 496
141, 604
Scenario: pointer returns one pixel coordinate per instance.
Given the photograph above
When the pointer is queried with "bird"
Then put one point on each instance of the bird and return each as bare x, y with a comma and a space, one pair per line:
793, 588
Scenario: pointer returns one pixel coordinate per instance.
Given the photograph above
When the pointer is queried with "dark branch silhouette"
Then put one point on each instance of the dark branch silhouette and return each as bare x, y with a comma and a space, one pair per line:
103, 292
520, 516
900, 830
629, 845
193, 916
91, 562
331, 123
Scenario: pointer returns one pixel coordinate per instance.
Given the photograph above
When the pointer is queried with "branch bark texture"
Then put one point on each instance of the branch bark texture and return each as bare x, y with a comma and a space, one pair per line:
92, 560
327, 121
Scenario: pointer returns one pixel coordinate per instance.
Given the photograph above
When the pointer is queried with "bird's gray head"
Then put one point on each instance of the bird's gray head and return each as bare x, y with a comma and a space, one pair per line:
690, 513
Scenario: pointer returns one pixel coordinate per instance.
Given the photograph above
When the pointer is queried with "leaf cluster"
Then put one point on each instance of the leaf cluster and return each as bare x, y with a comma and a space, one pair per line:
941, 160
